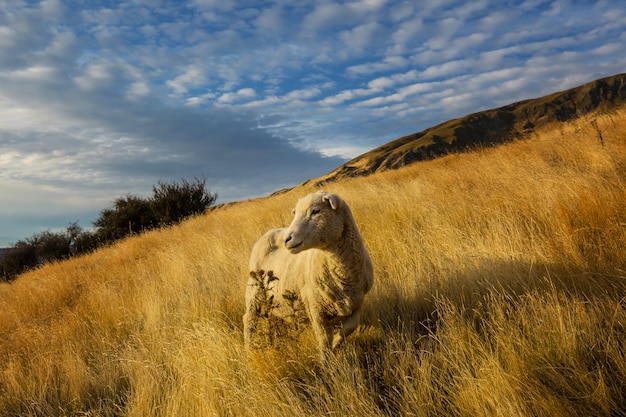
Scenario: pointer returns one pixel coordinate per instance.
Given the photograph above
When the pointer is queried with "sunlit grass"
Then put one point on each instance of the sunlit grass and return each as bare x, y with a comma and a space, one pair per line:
499, 290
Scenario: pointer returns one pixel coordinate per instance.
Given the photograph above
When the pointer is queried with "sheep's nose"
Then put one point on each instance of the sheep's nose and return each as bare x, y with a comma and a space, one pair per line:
288, 238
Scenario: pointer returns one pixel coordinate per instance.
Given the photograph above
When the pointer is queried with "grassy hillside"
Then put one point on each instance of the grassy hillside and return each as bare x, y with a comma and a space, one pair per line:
500, 291
488, 127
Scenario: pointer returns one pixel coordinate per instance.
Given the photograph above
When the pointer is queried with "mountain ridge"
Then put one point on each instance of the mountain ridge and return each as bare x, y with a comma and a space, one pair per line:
485, 128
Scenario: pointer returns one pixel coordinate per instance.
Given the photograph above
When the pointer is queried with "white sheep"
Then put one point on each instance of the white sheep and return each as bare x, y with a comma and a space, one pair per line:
322, 259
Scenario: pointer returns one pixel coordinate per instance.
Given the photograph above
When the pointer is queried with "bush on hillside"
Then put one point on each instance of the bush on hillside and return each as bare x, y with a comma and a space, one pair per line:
169, 204
20, 257
129, 214
38, 249
174, 202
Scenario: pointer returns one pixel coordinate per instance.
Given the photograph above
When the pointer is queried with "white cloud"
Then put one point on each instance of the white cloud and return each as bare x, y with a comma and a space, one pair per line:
336, 16
388, 63
138, 90
34, 74
402, 11
96, 75
406, 77
191, 77
367, 5
338, 98
200, 100
303, 94
466, 10
495, 20
381, 83
346, 152
268, 101
374, 86
239, 95
270, 21
401, 94
456, 102
326, 16
443, 32
446, 69
609, 49
291, 100
221, 5
360, 37
408, 35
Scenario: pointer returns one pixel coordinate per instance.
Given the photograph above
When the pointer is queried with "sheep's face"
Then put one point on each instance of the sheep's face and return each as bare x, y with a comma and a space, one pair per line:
318, 221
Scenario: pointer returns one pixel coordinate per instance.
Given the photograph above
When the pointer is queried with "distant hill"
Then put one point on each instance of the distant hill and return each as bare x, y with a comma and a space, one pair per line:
487, 128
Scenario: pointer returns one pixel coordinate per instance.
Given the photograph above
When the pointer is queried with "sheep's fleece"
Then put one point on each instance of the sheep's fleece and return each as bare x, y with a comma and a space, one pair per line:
321, 257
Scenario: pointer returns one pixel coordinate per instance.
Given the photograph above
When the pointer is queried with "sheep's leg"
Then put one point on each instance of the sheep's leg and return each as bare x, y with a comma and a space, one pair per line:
347, 327
323, 332
253, 309
250, 320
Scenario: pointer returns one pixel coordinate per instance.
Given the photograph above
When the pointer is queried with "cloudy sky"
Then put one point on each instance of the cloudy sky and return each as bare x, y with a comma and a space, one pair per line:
99, 98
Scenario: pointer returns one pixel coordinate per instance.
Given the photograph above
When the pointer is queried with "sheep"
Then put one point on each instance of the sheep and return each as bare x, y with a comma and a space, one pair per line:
321, 258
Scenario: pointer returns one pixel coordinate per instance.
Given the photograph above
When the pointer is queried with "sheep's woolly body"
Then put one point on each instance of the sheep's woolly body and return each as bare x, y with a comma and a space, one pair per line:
321, 257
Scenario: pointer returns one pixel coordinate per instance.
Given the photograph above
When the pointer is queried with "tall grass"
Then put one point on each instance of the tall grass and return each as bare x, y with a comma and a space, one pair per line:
500, 290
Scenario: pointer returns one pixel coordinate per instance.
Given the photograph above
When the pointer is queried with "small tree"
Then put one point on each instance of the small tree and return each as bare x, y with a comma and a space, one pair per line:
51, 246
85, 242
130, 214
17, 259
81, 241
173, 202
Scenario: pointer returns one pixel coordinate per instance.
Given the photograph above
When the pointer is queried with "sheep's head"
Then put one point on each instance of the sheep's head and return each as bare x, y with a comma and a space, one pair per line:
318, 221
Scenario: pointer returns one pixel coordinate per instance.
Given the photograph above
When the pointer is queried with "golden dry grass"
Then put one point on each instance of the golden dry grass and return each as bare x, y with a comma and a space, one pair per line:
499, 291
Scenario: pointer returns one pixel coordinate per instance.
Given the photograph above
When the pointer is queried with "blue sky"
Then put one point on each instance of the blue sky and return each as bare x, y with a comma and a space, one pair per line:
100, 98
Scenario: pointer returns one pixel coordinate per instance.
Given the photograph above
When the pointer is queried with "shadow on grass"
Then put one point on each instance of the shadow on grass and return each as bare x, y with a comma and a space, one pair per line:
396, 310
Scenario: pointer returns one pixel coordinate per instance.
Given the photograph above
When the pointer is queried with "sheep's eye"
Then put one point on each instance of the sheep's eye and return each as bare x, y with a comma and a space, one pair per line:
314, 211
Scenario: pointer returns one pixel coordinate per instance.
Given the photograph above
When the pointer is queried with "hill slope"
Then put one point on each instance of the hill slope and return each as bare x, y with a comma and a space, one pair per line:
499, 291
488, 127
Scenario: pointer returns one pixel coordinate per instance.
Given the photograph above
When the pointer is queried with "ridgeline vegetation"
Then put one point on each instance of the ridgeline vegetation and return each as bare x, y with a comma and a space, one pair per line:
169, 204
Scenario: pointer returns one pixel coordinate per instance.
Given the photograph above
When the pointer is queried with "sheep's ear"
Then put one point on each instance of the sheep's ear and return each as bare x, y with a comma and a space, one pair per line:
332, 199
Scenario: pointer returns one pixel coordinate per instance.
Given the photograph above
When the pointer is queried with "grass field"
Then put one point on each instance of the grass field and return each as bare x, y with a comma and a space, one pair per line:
500, 280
